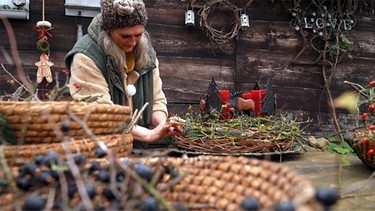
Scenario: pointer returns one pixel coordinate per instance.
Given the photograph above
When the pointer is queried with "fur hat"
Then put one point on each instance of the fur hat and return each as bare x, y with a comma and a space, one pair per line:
122, 13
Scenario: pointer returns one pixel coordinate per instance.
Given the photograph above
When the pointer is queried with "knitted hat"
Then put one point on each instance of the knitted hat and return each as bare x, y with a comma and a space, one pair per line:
122, 13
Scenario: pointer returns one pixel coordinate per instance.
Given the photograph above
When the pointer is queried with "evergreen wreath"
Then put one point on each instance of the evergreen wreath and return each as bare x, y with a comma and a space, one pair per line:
43, 45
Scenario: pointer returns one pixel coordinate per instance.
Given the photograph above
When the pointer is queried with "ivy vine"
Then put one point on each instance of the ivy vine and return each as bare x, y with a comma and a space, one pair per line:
324, 25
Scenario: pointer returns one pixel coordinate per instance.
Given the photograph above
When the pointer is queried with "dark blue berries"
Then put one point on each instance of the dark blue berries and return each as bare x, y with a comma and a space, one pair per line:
23, 183
100, 153
250, 203
50, 159
326, 196
149, 204
65, 125
34, 202
285, 205
143, 171
103, 176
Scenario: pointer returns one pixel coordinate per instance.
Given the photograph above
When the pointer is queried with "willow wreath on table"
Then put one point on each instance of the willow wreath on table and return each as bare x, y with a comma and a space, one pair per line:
259, 143
219, 36
241, 135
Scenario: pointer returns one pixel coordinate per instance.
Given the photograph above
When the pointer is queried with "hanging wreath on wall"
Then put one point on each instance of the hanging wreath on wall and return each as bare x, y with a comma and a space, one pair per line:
219, 36
42, 45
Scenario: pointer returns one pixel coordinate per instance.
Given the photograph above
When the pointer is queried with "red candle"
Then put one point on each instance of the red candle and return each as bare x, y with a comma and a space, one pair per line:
258, 96
246, 96
224, 95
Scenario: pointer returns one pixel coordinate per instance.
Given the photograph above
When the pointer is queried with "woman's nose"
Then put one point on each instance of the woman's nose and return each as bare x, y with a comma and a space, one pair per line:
133, 41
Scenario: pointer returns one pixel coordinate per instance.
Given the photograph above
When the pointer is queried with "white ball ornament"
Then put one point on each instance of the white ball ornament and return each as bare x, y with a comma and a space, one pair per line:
130, 90
43, 24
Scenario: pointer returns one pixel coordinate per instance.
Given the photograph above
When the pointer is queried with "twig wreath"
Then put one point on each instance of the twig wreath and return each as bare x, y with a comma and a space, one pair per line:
221, 35
216, 35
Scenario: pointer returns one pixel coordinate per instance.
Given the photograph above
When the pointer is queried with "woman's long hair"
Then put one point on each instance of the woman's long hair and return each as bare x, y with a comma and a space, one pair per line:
141, 50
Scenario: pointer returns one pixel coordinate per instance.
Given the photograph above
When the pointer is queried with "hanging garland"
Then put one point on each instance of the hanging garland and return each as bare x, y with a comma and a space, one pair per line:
44, 64
219, 36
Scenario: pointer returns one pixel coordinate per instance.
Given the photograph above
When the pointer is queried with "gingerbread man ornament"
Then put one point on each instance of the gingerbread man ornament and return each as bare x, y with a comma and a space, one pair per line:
44, 68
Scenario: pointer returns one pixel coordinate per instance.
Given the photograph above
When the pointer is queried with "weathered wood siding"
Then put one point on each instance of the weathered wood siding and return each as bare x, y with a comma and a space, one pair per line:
188, 60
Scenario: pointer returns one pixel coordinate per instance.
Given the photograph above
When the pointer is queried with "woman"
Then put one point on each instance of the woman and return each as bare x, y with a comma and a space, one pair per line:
116, 63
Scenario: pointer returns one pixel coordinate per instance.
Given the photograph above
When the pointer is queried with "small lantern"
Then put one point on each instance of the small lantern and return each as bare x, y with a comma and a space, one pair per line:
79, 31
189, 18
244, 20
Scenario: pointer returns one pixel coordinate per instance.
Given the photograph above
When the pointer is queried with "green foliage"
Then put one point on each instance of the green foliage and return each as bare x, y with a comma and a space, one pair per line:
343, 149
366, 103
339, 147
7, 7
341, 46
7, 136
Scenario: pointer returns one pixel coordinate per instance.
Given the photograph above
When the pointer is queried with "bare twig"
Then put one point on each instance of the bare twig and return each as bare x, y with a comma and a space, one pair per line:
355, 87
57, 89
136, 116
78, 178
50, 198
7, 171
16, 56
72, 165
14, 79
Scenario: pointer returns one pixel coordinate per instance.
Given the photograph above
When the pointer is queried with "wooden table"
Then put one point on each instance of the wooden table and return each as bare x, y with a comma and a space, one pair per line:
346, 173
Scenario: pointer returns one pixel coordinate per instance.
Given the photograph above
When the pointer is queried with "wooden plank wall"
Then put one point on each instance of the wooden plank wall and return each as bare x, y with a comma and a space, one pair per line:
188, 60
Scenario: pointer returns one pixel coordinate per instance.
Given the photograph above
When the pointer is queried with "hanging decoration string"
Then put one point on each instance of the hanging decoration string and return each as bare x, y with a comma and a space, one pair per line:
43, 26
43, 3
44, 64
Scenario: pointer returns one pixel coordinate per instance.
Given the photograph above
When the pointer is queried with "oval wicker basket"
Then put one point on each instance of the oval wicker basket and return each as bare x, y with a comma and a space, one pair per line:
222, 183
33, 122
120, 144
197, 183
354, 139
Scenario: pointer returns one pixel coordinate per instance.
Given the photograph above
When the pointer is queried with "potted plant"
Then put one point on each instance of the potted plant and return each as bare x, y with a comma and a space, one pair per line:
362, 137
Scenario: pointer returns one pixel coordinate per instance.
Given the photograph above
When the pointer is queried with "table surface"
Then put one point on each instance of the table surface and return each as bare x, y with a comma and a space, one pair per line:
345, 173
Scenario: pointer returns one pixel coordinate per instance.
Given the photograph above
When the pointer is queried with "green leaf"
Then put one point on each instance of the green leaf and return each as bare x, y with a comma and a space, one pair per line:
7, 135
342, 150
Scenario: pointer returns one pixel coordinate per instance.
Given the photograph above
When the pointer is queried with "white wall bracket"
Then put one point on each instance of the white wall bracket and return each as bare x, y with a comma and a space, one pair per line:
84, 8
15, 9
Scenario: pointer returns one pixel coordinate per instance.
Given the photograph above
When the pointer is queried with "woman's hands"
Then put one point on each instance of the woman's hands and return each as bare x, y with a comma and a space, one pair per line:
165, 129
171, 127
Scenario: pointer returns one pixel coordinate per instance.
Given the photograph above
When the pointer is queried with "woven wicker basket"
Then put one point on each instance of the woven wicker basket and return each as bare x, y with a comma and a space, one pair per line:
33, 122
121, 144
355, 141
222, 183
208, 183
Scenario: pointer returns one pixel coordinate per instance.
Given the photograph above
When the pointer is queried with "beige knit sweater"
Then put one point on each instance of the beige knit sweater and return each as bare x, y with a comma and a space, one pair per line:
87, 81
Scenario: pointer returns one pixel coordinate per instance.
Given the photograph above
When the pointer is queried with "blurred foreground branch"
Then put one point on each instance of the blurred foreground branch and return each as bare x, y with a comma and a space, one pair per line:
16, 57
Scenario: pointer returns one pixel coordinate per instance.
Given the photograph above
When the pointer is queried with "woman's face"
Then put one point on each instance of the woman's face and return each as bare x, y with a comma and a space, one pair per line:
127, 37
